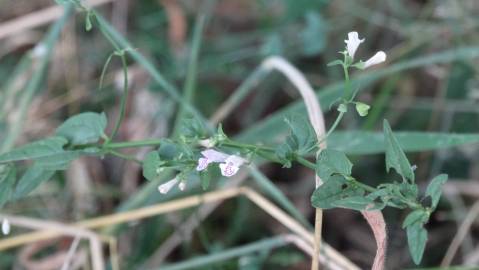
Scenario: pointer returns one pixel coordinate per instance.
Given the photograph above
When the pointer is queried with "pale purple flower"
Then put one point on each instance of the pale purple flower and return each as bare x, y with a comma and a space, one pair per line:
378, 58
352, 43
210, 156
231, 165
165, 187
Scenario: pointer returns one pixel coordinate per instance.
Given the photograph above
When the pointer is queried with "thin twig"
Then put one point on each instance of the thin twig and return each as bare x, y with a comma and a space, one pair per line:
331, 256
71, 252
461, 233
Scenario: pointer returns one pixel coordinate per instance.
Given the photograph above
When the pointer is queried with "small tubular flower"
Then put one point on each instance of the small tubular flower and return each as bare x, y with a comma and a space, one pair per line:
352, 43
378, 58
165, 187
5, 226
231, 165
210, 156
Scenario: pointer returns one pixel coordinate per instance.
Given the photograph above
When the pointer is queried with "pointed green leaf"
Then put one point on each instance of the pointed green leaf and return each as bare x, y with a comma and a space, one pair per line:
416, 216
416, 238
302, 133
434, 189
46, 148
31, 179
83, 128
335, 63
330, 162
336, 188
395, 157
7, 182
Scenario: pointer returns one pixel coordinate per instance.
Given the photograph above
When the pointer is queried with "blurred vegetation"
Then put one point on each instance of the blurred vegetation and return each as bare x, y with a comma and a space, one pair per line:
428, 84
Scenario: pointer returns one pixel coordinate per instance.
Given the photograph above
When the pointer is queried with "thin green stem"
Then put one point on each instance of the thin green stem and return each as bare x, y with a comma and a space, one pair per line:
124, 97
131, 144
169, 88
124, 156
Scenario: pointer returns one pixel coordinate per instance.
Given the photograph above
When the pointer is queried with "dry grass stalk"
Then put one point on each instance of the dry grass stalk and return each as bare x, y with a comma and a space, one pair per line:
38, 18
317, 121
333, 259
461, 233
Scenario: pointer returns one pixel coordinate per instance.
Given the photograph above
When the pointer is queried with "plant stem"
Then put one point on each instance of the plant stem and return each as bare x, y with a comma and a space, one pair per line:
130, 144
124, 97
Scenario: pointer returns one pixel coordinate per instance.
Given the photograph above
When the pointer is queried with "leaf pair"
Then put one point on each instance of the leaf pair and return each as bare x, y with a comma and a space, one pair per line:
334, 168
415, 221
50, 154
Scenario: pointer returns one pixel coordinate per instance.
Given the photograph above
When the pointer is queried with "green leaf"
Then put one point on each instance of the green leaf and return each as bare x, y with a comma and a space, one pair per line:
416, 216
300, 141
83, 128
303, 137
395, 157
335, 63
354, 202
7, 182
362, 108
205, 179
416, 238
285, 152
434, 189
88, 24
191, 127
151, 165
31, 179
330, 162
335, 189
46, 148
409, 190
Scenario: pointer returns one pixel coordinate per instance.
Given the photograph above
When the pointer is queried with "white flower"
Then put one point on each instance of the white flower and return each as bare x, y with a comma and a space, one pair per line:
165, 187
182, 185
5, 226
210, 156
231, 165
352, 43
378, 58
